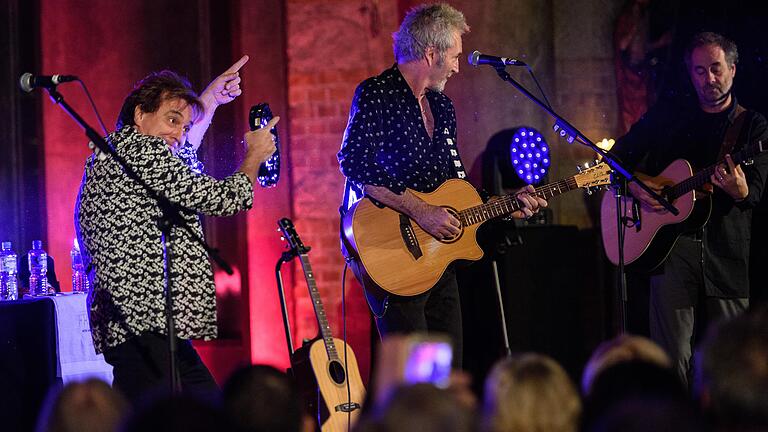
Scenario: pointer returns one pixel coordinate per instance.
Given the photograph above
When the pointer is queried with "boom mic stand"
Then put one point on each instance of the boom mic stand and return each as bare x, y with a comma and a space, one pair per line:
171, 217
571, 134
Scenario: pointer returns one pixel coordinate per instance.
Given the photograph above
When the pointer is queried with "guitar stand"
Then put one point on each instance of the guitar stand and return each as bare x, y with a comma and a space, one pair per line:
284, 258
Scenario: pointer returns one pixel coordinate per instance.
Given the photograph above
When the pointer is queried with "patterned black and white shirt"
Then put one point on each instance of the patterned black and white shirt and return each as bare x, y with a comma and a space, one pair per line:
386, 143
116, 222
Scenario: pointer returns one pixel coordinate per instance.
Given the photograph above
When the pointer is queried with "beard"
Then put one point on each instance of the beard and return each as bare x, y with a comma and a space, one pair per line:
714, 95
438, 86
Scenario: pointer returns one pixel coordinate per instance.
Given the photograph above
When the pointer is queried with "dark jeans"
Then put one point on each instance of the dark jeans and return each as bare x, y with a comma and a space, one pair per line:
140, 366
680, 311
435, 311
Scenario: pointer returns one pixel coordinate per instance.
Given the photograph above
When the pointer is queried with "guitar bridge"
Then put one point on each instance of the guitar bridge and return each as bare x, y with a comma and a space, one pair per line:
409, 237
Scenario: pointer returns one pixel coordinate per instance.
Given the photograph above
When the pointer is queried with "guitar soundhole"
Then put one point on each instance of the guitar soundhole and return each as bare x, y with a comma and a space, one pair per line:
455, 238
336, 370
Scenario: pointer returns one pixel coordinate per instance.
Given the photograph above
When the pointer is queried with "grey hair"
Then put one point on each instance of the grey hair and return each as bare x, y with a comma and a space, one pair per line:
710, 38
427, 26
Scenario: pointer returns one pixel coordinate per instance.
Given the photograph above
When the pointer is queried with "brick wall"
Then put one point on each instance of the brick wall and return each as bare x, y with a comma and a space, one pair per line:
332, 46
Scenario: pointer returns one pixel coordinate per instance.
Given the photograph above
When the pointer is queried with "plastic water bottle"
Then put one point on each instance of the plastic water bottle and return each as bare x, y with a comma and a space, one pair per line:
9, 267
79, 278
38, 270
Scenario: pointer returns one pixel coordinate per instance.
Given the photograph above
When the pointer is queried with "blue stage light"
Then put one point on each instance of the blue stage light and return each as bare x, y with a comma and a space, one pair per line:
529, 154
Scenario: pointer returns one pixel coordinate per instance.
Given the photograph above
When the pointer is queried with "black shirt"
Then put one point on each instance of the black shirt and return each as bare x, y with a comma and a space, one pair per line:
386, 143
681, 130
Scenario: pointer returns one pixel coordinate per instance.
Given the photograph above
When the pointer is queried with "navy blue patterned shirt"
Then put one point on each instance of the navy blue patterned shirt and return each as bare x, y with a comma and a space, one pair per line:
386, 143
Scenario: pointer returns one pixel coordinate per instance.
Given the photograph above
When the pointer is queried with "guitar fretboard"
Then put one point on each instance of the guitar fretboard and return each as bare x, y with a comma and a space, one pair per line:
317, 304
702, 177
509, 203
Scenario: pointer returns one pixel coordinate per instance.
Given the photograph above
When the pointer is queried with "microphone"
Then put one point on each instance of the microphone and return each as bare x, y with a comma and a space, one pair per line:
29, 82
476, 59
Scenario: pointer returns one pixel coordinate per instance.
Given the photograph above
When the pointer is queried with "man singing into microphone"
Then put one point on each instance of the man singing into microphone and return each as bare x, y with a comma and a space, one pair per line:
402, 134
117, 226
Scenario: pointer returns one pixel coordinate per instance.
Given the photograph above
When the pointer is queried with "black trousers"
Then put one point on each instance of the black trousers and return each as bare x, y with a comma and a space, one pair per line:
435, 311
141, 367
679, 311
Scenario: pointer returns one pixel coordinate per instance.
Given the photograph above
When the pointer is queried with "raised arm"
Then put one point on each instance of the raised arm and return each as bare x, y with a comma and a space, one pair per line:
222, 90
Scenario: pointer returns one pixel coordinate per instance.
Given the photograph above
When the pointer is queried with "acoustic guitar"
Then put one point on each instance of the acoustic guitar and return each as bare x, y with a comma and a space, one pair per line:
399, 257
650, 235
333, 392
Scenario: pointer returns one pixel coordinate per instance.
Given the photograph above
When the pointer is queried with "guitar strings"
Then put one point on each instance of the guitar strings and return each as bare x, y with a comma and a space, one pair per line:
702, 177
509, 203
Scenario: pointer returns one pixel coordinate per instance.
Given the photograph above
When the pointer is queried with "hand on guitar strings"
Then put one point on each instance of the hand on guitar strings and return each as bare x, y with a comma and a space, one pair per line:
641, 195
437, 221
731, 179
531, 203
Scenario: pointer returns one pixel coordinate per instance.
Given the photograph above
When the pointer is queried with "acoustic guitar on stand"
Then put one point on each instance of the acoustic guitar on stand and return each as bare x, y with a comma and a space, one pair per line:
650, 235
334, 393
401, 258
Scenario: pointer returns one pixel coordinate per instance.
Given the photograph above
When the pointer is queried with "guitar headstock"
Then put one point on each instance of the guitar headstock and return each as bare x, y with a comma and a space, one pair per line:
292, 237
597, 175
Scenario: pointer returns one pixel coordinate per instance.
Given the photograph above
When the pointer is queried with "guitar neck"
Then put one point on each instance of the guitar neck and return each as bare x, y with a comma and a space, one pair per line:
317, 303
509, 203
702, 177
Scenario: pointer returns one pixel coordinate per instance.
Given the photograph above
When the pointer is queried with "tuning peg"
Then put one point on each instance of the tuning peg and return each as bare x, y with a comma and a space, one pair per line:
579, 168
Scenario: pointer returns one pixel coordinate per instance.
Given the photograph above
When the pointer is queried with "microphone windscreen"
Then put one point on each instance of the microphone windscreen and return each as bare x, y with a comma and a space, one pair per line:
25, 82
474, 57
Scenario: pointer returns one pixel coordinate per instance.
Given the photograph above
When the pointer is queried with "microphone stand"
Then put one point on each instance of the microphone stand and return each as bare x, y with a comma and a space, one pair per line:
171, 218
571, 134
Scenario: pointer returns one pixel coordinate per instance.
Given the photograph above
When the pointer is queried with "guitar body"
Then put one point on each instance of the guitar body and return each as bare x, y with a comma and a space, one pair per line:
324, 384
389, 255
648, 243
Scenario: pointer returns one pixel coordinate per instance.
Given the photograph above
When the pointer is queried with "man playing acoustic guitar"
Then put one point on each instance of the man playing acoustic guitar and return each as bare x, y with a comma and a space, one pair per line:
402, 134
705, 276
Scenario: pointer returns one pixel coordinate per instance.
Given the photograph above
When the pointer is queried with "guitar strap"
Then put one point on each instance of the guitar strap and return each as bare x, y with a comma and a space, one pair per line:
729, 141
343, 211
733, 132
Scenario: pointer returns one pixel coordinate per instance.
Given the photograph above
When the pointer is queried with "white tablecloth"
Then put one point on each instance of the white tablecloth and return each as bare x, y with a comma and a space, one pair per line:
77, 360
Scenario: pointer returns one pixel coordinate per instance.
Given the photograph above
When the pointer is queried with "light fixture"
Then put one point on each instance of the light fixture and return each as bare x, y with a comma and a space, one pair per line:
515, 157
529, 155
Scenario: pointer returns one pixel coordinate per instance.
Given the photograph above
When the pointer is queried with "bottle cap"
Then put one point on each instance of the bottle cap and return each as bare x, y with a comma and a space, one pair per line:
37, 244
